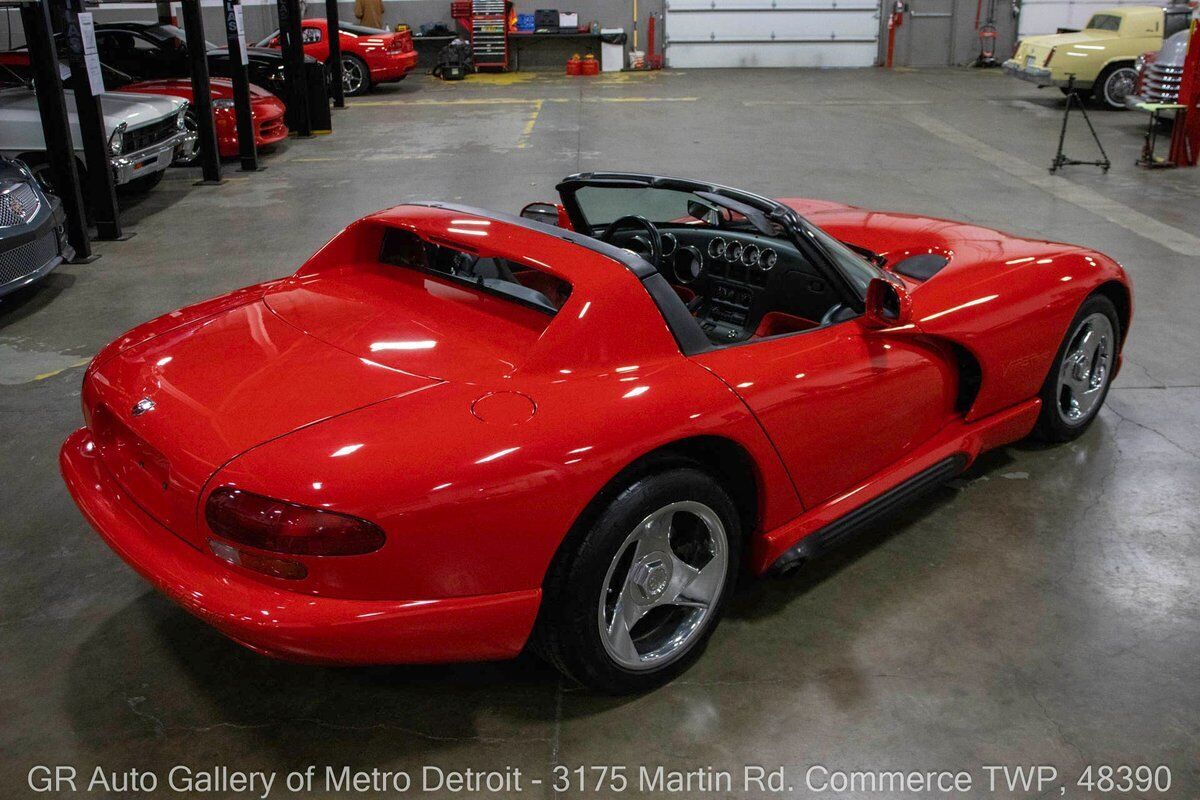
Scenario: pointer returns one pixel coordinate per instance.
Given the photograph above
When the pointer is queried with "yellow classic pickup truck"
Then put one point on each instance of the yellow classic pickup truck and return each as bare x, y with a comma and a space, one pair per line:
1102, 55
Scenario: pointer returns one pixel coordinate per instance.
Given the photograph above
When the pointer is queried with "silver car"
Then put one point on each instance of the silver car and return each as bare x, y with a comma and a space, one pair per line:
1159, 77
144, 132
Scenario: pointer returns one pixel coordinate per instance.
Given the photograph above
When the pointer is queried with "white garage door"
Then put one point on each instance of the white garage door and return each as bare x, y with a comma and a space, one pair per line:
1047, 16
772, 33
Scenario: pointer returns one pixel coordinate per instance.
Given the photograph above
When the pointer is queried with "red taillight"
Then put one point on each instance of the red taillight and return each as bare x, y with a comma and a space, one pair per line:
400, 43
1049, 56
283, 527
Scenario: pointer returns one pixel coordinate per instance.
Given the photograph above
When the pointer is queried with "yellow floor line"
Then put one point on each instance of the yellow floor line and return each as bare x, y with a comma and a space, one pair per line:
517, 101
527, 131
46, 375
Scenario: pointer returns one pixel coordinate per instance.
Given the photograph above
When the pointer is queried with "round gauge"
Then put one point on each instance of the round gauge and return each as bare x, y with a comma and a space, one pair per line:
750, 255
716, 247
768, 259
733, 252
668, 244
689, 264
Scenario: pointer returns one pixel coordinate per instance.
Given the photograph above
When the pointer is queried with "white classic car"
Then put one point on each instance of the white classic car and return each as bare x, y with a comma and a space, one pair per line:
145, 132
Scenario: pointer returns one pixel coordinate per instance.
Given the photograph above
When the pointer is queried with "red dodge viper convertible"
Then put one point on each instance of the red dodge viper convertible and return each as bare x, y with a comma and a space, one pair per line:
454, 433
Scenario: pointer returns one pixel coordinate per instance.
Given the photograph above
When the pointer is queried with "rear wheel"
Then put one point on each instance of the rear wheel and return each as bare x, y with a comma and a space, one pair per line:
633, 605
1078, 381
356, 78
1115, 83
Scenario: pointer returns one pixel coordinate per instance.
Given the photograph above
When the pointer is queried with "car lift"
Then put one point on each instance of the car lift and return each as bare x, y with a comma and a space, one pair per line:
56, 127
1185, 138
1061, 160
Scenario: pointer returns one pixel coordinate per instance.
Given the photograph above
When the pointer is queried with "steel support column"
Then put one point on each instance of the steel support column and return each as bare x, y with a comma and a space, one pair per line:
334, 61
202, 110
101, 188
290, 38
247, 151
56, 127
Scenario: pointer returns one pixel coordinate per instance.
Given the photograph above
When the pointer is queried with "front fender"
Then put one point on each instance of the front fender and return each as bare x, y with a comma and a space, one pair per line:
1012, 315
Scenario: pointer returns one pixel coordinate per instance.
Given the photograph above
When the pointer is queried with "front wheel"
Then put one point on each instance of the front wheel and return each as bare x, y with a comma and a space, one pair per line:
356, 78
1082, 372
636, 601
1115, 84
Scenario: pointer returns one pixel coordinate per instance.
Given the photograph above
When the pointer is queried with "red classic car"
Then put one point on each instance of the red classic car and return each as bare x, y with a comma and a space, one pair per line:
369, 56
454, 433
266, 110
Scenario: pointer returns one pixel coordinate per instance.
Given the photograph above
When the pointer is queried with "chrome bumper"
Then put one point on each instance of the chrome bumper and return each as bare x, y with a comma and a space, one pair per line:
148, 160
1038, 75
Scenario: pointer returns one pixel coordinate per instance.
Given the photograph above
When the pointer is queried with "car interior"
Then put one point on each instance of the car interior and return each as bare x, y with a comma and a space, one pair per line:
739, 273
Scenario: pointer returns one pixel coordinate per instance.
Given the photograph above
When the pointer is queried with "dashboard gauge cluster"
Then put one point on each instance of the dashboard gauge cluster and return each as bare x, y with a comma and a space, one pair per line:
750, 256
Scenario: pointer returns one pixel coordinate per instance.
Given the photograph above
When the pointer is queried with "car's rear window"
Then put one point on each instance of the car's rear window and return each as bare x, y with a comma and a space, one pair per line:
1104, 22
501, 277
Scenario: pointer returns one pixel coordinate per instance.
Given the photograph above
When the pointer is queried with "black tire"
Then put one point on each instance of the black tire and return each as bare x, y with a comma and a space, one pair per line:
1114, 84
1051, 425
143, 184
352, 87
568, 634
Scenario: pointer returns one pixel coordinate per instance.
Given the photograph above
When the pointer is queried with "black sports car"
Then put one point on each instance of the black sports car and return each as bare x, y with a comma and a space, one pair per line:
32, 237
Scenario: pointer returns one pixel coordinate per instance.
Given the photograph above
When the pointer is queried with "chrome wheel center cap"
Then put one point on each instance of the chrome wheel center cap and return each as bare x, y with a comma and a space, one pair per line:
1080, 371
652, 576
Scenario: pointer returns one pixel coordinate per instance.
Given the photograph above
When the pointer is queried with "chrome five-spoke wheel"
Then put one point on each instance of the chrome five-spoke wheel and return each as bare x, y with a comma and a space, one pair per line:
1085, 369
663, 584
354, 75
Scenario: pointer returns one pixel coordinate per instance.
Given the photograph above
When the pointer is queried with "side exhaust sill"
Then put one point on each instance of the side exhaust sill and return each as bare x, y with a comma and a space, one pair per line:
843, 529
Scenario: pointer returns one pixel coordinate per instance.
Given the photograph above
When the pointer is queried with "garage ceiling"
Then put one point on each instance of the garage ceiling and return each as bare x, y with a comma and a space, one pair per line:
772, 33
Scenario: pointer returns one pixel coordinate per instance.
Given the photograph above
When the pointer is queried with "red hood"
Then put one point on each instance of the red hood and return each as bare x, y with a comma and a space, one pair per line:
219, 88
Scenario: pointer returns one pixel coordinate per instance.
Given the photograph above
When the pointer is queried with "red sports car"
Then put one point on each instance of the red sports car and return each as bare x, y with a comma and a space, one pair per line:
454, 433
369, 55
266, 110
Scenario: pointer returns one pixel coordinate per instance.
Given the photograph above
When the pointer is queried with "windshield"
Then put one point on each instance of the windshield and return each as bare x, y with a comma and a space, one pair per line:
857, 270
603, 204
1104, 22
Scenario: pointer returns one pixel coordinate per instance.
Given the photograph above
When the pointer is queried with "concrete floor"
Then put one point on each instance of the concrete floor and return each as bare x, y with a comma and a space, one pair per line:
1044, 609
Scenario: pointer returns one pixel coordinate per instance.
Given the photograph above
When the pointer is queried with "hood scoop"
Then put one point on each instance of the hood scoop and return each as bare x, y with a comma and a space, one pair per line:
920, 267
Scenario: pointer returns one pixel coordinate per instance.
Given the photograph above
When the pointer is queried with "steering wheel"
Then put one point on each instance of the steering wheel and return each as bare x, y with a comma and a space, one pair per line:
637, 221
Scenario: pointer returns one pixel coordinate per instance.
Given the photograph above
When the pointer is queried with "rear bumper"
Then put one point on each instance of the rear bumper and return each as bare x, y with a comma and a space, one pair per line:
1036, 75
286, 624
393, 66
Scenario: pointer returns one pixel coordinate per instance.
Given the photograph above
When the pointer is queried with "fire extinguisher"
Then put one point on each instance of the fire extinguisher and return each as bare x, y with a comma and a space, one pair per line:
895, 20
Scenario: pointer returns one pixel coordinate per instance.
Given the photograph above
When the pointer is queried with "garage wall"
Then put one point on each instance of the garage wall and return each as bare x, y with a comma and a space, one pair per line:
261, 18
1047, 16
941, 33
772, 33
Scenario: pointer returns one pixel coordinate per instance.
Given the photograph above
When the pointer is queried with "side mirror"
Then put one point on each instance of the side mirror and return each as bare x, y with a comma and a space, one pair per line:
545, 213
888, 304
